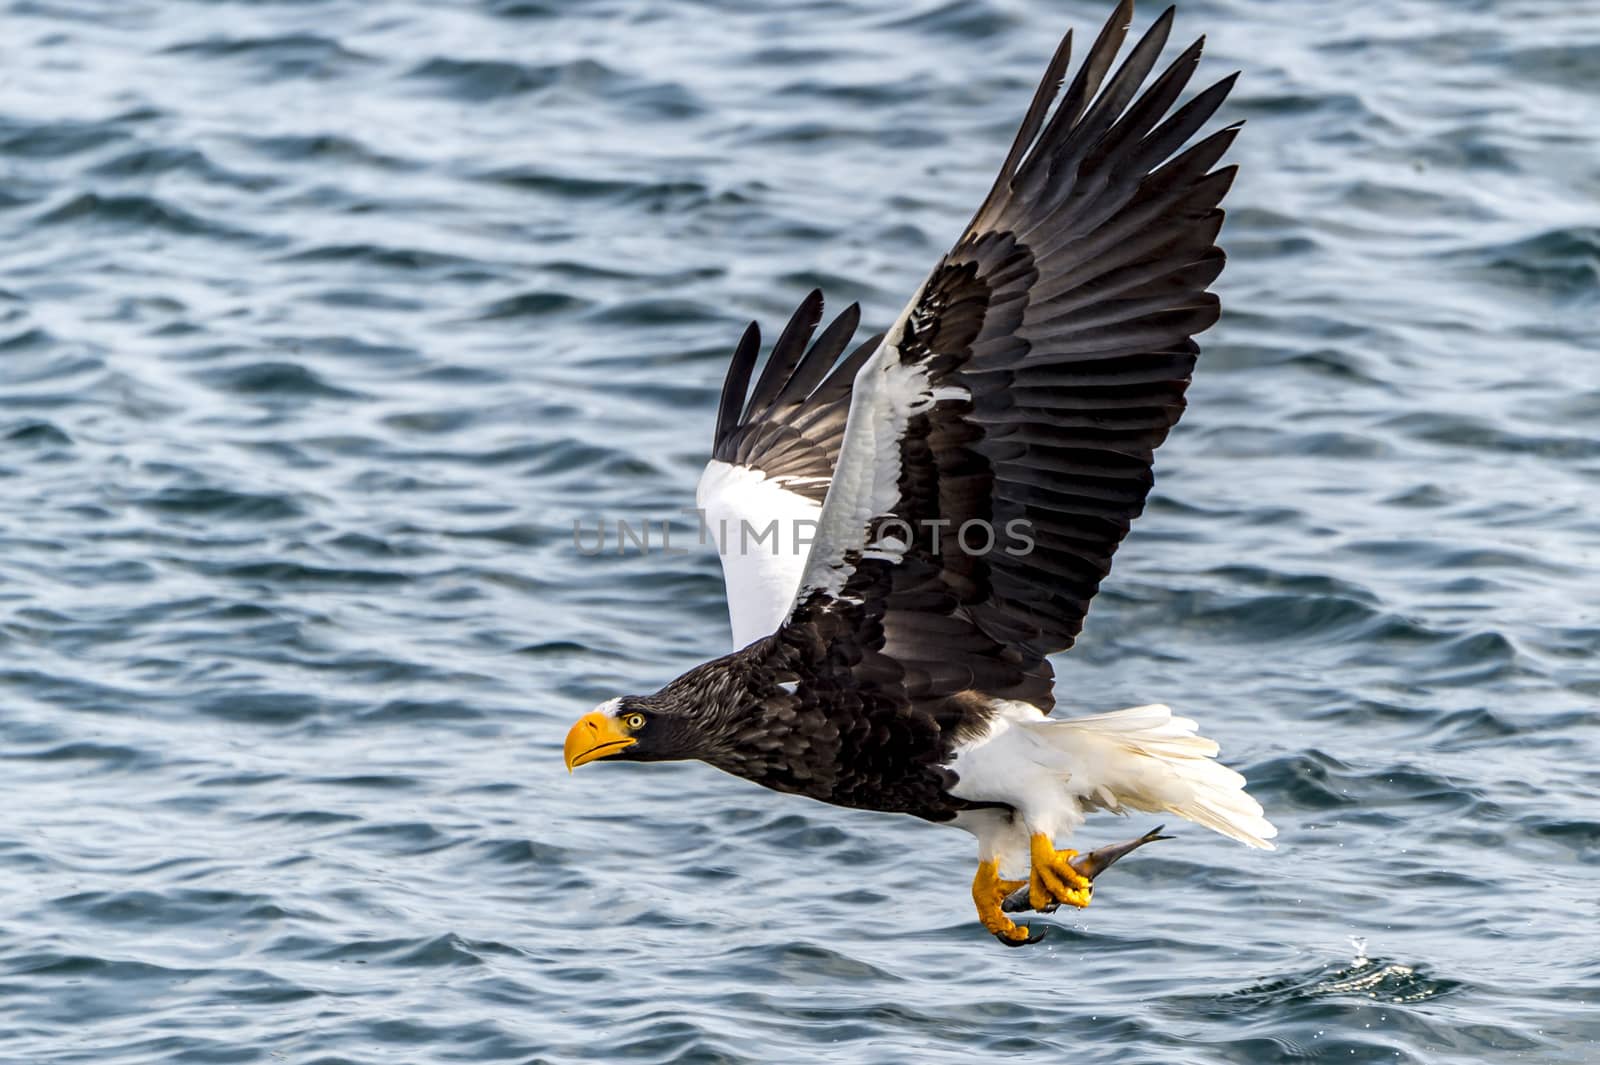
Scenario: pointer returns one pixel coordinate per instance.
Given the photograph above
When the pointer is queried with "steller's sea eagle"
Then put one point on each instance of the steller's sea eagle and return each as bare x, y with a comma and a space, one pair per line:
963, 480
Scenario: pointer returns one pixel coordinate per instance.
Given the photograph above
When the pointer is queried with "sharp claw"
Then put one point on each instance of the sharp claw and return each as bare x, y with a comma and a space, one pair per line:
1034, 938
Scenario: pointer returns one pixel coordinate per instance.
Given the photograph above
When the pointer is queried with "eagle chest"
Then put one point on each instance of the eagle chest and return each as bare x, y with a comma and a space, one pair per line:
869, 755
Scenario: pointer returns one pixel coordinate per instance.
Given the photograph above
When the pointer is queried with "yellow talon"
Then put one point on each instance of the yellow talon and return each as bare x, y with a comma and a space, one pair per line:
1053, 879
988, 890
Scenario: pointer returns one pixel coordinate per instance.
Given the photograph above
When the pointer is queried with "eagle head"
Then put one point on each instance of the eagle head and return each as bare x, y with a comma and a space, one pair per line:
632, 728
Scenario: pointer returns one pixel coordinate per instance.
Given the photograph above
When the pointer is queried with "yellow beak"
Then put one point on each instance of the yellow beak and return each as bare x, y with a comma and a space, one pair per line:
595, 735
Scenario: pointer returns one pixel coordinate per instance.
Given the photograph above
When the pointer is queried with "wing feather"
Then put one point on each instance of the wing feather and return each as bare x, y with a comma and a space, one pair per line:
736, 384
772, 460
786, 356
1029, 381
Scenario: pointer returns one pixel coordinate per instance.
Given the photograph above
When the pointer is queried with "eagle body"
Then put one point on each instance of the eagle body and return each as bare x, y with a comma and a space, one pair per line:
835, 743
933, 510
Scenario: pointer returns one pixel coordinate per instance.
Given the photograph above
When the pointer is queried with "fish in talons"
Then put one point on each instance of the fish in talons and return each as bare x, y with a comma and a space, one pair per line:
1089, 866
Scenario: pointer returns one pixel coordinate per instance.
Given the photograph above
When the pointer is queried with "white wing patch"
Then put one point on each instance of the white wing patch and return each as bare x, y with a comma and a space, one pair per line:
762, 531
866, 479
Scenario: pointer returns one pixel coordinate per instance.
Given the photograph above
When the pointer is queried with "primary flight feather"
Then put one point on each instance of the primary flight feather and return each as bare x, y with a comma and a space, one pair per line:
946, 498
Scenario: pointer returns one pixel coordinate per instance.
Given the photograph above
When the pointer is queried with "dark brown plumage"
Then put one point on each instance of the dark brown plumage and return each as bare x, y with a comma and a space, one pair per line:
792, 424
1057, 334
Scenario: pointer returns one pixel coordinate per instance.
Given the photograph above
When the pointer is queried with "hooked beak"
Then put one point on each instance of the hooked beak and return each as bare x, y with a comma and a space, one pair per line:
595, 735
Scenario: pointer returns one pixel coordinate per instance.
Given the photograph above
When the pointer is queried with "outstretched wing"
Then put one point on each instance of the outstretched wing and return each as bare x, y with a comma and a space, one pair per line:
1022, 393
772, 460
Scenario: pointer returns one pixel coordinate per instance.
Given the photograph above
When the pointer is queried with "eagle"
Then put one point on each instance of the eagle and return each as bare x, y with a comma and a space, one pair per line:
933, 511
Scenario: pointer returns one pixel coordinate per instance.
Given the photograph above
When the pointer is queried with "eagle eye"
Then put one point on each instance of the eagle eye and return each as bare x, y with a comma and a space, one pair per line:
634, 721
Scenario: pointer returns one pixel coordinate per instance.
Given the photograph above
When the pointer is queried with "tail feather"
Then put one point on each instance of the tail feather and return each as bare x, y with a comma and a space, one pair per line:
1149, 759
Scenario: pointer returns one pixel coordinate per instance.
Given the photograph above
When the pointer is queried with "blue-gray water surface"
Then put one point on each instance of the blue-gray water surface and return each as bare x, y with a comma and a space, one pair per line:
321, 322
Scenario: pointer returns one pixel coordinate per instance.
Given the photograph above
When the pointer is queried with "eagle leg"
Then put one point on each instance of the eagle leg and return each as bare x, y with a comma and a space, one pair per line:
1053, 879
988, 890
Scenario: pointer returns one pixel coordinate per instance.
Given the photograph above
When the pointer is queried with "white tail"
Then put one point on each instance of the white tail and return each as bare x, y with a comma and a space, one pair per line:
1150, 760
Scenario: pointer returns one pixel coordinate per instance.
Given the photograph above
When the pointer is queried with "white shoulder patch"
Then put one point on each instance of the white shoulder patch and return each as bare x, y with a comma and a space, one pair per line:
866, 479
